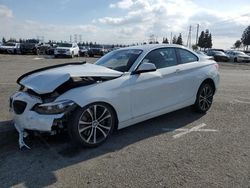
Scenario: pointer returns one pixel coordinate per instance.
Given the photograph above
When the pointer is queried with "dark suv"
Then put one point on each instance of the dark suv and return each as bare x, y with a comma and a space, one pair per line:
30, 46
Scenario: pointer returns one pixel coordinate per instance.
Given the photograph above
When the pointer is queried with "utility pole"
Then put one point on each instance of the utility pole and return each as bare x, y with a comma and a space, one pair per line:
170, 42
197, 34
75, 38
189, 37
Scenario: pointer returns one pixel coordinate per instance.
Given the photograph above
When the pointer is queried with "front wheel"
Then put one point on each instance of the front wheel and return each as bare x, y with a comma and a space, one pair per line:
92, 125
204, 98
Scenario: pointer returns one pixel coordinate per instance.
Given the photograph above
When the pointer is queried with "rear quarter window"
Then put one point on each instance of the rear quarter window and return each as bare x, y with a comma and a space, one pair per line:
186, 56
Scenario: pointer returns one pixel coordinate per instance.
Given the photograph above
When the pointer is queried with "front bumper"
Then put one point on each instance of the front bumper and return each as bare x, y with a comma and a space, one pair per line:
7, 50
63, 53
29, 119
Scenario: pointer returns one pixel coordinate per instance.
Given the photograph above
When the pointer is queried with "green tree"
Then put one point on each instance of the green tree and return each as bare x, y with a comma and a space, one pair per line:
205, 39
179, 40
237, 44
246, 37
209, 41
201, 43
174, 40
165, 40
3, 40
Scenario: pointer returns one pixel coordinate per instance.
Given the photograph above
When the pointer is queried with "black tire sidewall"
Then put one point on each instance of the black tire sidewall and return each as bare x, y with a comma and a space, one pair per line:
197, 105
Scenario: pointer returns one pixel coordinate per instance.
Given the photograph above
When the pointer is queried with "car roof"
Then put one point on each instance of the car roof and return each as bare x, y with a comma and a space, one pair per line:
149, 47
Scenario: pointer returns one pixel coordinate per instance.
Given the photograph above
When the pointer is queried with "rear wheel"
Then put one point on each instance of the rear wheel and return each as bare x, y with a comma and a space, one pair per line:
92, 125
204, 98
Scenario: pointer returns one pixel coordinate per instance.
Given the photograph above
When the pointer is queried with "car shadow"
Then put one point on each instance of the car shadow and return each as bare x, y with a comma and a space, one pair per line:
36, 167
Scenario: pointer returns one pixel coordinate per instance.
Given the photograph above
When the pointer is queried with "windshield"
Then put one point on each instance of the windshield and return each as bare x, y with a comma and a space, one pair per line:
68, 45
120, 60
9, 44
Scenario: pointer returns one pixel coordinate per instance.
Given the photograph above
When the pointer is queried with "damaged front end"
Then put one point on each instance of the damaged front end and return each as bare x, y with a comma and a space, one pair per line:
35, 106
30, 113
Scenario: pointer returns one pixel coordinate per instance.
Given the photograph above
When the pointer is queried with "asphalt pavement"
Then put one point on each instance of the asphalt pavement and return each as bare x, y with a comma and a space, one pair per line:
179, 149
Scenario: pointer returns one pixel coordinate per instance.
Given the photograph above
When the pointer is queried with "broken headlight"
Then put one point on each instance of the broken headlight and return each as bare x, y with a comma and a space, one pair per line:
57, 107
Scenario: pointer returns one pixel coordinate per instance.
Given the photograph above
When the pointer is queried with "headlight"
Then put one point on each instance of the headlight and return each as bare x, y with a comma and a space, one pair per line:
55, 107
68, 50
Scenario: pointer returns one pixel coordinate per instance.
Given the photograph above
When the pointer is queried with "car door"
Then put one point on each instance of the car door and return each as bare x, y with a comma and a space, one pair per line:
158, 90
189, 69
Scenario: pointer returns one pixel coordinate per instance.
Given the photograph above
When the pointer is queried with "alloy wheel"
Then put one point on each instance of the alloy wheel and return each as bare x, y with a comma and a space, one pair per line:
206, 97
95, 124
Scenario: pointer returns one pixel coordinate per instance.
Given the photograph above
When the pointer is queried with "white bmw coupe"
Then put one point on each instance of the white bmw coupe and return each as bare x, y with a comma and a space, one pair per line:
124, 87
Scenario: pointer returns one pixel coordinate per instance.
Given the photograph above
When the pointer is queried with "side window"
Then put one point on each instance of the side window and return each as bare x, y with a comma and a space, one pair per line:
164, 57
186, 56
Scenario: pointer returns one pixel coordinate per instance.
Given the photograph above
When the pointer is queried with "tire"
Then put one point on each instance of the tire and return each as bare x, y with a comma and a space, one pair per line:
204, 98
235, 60
55, 56
92, 125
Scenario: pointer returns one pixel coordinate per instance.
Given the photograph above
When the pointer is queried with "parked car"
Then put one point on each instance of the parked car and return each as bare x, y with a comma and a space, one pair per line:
51, 49
30, 46
200, 53
96, 50
218, 55
124, 87
247, 52
43, 48
237, 56
10, 48
83, 51
66, 49
215, 49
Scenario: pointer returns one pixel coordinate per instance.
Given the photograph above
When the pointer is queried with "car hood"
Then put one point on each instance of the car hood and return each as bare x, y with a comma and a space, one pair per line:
46, 81
244, 56
7, 47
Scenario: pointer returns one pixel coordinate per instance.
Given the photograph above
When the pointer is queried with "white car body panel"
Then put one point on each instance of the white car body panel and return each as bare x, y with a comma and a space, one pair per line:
48, 80
11, 49
29, 118
134, 97
239, 57
128, 93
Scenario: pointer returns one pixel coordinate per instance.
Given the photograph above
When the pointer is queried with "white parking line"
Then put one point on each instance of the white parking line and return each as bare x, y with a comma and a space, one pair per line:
8, 84
38, 58
240, 101
186, 131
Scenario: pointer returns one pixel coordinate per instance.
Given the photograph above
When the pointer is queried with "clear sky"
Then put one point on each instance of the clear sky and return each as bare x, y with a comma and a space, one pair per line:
124, 21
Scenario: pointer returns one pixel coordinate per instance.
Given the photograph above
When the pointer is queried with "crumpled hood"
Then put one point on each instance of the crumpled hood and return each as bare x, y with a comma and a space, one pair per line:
47, 81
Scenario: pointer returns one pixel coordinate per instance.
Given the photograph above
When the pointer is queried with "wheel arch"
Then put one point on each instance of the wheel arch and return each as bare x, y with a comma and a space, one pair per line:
209, 81
108, 104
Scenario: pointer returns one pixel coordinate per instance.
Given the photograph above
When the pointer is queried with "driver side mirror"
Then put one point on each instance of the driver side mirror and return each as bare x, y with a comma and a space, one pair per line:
145, 67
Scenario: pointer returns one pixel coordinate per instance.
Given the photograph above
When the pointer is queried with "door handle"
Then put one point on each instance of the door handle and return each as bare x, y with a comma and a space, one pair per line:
177, 70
